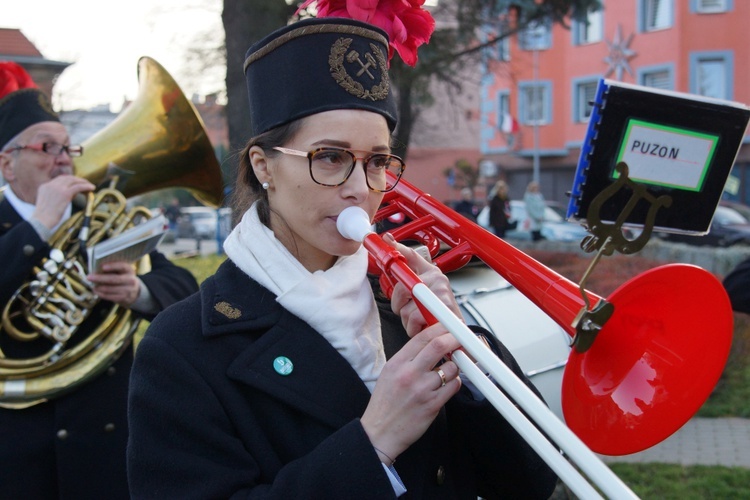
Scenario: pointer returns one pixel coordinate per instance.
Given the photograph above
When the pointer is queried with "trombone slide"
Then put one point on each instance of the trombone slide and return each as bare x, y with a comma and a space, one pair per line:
354, 224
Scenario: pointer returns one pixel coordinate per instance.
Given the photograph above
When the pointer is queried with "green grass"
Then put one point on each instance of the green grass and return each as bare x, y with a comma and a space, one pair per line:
666, 482
201, 267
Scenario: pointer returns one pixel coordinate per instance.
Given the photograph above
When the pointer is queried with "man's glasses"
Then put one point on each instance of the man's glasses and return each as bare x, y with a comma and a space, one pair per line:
51, 148
333, 166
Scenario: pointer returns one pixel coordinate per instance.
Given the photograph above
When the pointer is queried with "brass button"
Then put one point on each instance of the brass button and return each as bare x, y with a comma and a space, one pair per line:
62, 434
109, 427
111, 370
28, 250
440, 475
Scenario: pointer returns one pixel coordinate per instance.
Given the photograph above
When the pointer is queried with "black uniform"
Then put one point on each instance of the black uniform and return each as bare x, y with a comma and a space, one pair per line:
210, 416
737, 285
72, 446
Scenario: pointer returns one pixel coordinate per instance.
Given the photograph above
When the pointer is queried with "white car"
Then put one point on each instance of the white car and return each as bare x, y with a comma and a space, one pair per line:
198, 222
554, 226
540, 345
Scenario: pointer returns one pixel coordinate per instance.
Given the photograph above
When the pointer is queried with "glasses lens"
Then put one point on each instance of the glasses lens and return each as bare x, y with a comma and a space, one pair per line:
56, 149
377, 168
52, 148
330, 166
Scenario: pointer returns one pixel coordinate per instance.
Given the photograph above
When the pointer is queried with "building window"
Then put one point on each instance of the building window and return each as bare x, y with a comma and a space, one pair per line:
536, 36
590, 30
657, 78
583, 98
535, 103
656, 14
711, 74
503, 108
710, 6
503, 49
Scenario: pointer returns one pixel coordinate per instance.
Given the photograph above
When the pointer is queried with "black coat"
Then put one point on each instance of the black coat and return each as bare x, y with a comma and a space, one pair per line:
211, 418
499, 215
72, 446
737, 285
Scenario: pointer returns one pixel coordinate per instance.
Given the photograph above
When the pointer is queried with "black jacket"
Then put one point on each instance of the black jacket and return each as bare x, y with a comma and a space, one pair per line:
211, 418
737, 285
72, 446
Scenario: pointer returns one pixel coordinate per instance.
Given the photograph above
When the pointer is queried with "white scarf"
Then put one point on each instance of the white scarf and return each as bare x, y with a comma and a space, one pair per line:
338, 303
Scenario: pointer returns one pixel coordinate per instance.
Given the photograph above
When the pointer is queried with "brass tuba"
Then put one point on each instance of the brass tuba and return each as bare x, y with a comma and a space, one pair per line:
66, 334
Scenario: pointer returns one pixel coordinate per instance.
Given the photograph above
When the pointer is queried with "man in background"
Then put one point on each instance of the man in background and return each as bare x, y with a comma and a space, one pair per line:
72, 445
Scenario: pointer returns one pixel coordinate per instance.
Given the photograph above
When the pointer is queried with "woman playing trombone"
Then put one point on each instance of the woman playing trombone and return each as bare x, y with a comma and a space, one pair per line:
289, 375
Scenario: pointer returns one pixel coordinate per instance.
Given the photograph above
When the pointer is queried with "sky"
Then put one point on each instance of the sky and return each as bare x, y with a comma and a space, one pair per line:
104, 41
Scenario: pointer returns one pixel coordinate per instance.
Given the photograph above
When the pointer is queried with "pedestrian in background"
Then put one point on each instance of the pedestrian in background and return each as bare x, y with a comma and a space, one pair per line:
500, 209
466, 206
535, 208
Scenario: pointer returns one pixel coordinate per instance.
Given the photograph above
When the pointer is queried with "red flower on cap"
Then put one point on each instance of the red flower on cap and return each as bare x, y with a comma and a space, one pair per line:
13, 77
408, 25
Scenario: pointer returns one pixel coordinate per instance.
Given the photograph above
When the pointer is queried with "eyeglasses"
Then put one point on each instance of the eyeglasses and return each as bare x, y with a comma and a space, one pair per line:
51, 148
333, 166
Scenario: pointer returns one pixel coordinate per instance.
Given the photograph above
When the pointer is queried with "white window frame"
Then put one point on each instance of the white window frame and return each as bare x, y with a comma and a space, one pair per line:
584, 93
662, 19
524, 105
697, 61
711, 6
591, 30
647, 72
503, 49
536, 36
503, 107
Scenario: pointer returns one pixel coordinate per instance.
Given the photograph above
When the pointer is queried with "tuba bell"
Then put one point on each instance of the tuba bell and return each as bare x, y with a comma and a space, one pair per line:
56, 334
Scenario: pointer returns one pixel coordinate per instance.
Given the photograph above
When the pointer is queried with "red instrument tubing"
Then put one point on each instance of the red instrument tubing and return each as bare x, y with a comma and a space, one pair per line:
651, 365
354, 224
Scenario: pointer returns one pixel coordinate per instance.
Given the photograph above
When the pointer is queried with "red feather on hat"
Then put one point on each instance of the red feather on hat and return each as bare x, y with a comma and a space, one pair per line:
13, 77
408, 25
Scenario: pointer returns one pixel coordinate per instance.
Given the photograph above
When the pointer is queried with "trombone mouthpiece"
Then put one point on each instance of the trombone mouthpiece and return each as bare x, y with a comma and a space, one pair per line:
353, 223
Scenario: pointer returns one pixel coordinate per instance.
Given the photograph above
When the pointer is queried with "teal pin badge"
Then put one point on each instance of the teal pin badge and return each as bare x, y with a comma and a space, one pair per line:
283, 365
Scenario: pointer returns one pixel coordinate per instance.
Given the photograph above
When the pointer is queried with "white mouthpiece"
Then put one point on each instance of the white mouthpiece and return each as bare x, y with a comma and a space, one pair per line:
353, 223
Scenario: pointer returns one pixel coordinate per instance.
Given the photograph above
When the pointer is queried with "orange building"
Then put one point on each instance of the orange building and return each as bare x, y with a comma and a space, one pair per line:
538, 85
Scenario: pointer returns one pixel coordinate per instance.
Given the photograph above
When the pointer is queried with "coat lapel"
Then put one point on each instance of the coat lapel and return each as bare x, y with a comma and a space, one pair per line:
321, 383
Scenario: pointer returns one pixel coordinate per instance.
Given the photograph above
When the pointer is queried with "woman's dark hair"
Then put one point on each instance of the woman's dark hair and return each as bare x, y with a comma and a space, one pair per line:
248, 189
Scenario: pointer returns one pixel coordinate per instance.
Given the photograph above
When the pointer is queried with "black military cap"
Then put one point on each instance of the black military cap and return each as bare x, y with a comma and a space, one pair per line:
318, 65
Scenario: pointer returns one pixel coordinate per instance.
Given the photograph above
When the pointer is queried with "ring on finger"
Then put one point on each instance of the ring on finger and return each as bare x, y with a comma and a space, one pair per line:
441, 374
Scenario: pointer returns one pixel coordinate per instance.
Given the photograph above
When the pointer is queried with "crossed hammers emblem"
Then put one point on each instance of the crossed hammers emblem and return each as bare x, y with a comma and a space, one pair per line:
353, 56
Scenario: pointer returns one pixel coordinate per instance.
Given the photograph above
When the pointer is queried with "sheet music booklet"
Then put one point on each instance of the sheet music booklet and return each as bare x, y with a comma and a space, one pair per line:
675, 144
129, 245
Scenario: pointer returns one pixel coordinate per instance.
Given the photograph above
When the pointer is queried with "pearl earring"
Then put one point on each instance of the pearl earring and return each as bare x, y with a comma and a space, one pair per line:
265, 186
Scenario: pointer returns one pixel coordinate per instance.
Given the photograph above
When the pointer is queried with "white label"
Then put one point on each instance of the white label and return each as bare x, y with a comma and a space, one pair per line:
667, 156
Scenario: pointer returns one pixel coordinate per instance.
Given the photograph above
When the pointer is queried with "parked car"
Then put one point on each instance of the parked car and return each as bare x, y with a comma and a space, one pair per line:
744, 210
554, 227
728, 227
540, 345
197, 223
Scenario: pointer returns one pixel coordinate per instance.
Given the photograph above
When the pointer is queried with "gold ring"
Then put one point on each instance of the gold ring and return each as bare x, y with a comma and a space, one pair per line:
441, 374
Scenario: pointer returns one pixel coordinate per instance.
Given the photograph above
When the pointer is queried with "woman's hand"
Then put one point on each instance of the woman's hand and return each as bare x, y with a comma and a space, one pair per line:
411, 391
402, 302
